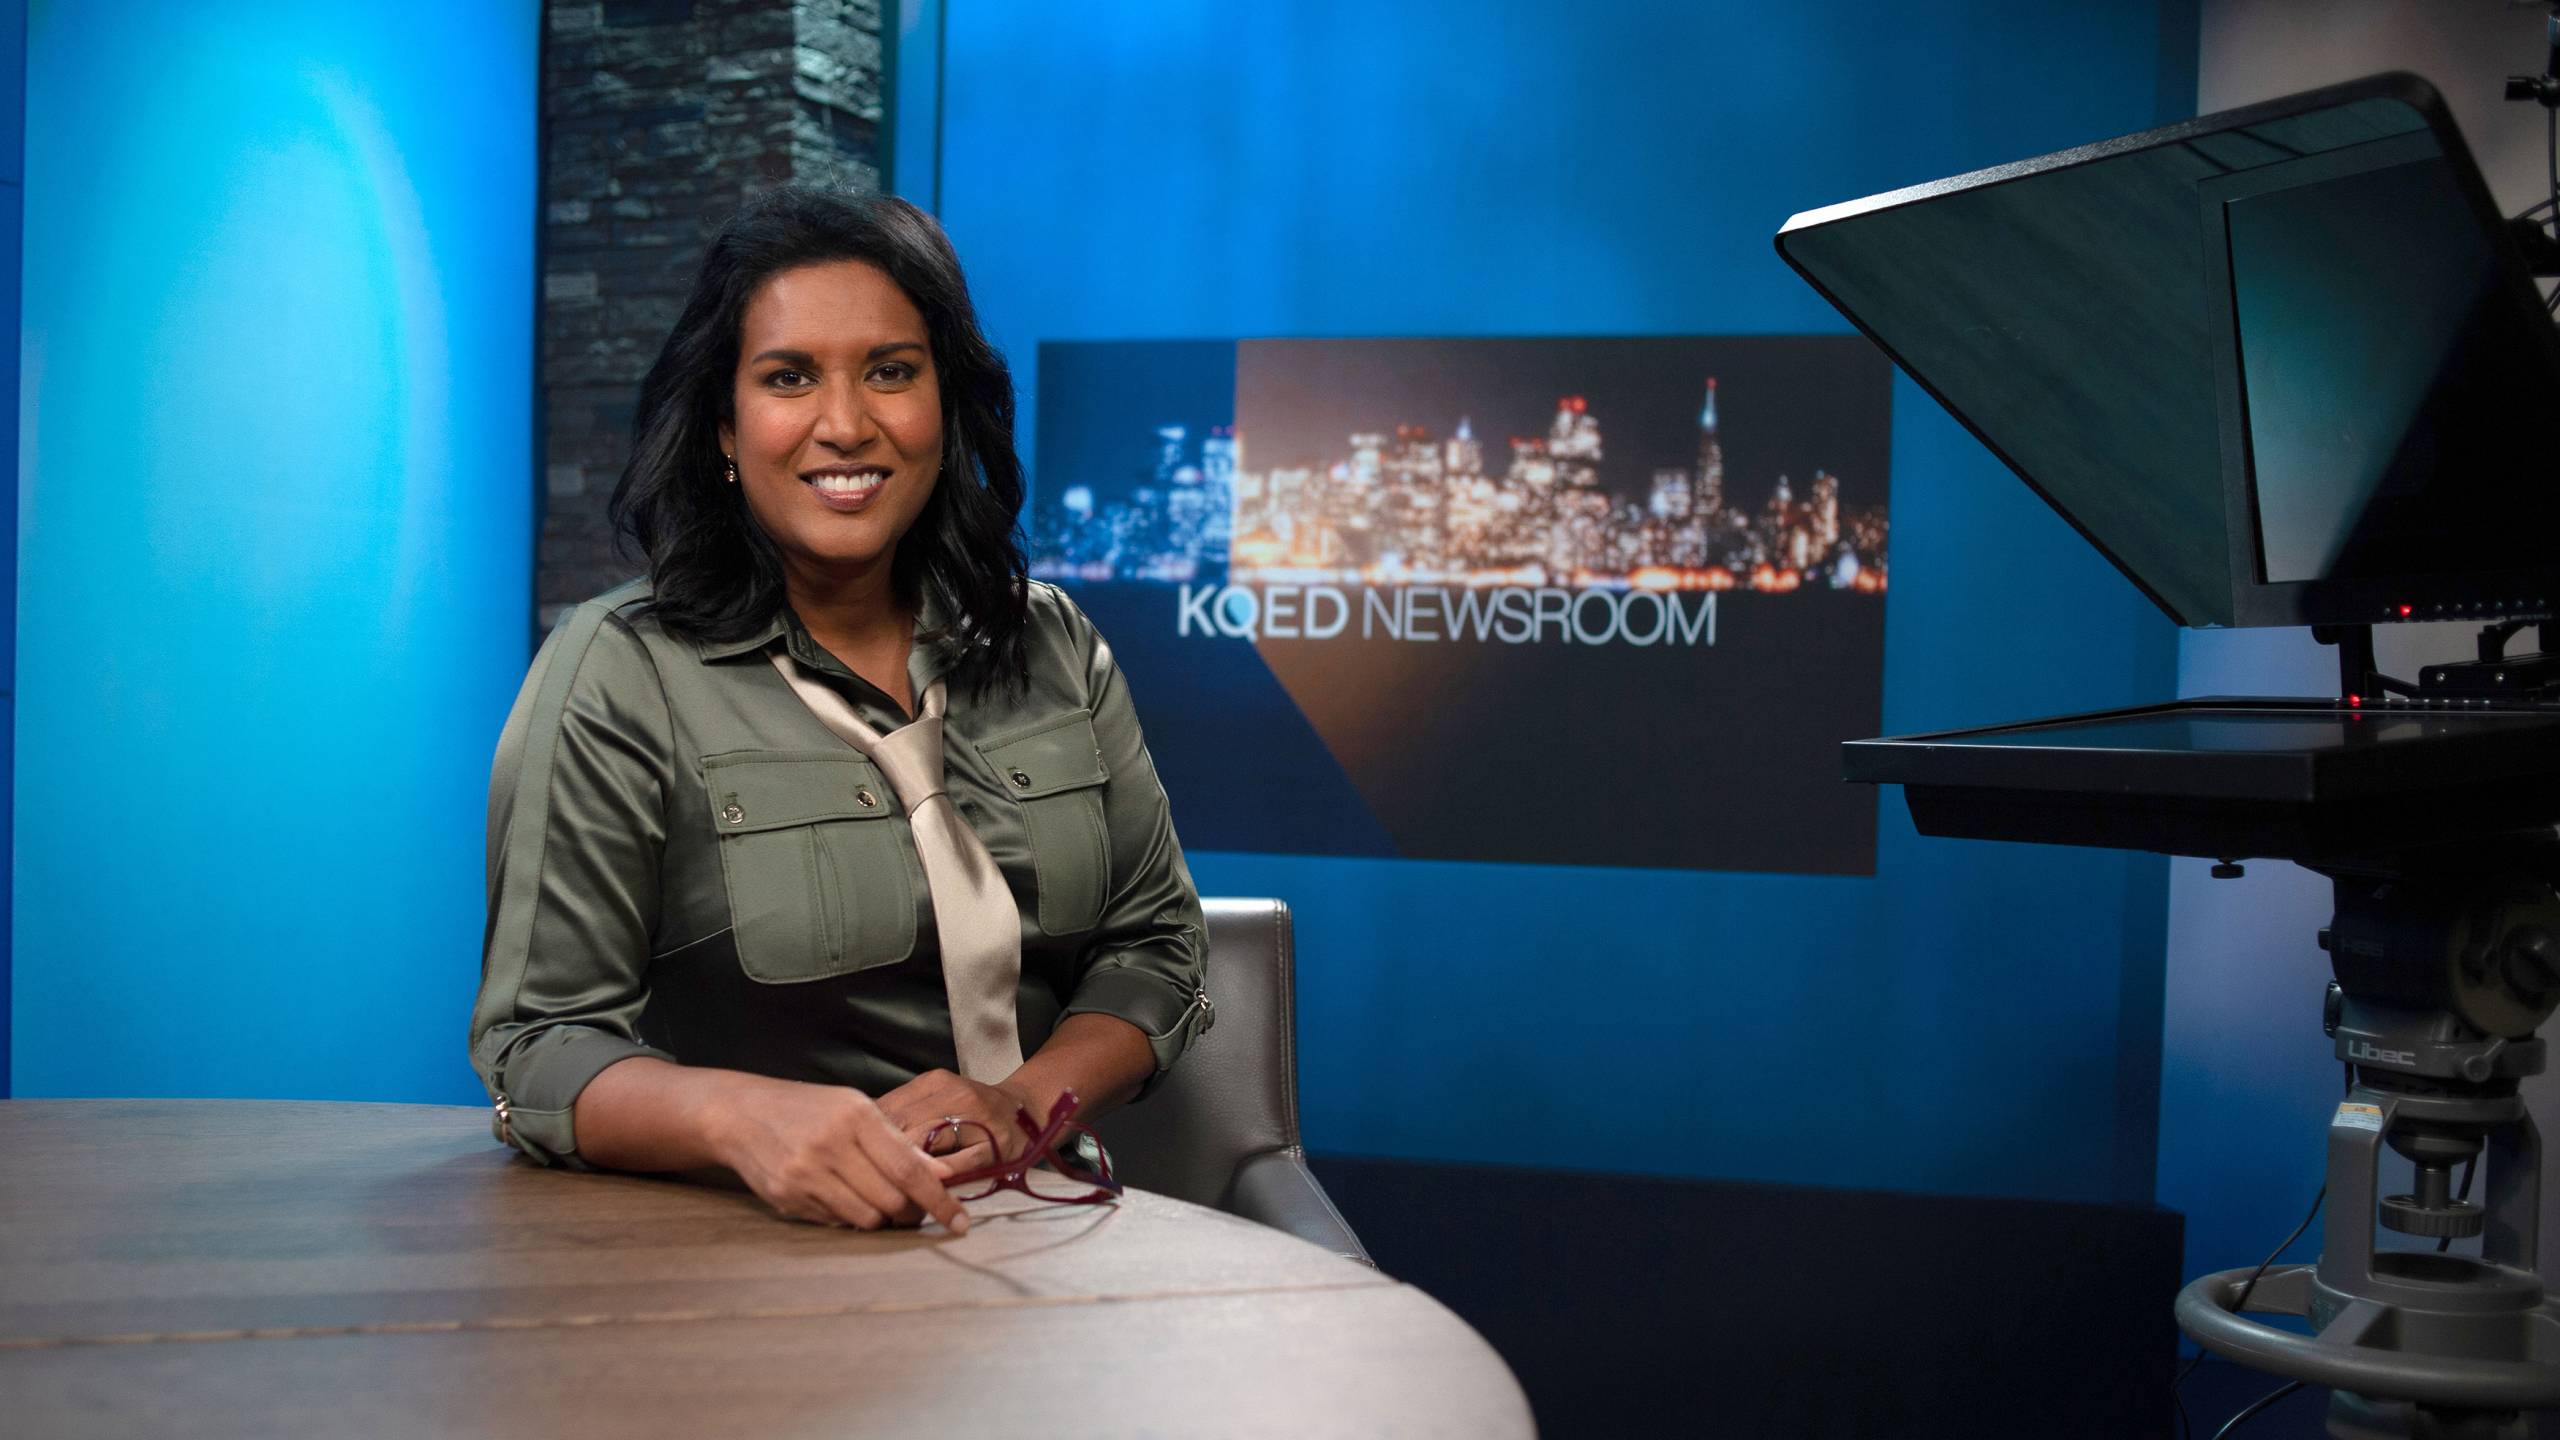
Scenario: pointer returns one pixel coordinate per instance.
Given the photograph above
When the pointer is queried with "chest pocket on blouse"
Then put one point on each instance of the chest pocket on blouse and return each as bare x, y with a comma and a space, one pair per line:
1054, 771
817, 875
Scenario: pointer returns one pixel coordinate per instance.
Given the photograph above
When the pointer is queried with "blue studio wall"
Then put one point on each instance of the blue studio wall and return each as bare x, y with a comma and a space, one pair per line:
1974, 1018
275, 537
2248, 1081
13, 82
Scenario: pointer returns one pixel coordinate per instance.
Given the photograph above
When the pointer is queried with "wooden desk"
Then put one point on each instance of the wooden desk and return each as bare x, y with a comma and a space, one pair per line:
214, 1268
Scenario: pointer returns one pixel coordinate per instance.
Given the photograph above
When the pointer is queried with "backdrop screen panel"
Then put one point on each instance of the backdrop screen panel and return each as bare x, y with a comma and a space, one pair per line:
1580, 601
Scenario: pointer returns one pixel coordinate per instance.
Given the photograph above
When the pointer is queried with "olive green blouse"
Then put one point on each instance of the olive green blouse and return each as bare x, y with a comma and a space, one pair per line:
684, 862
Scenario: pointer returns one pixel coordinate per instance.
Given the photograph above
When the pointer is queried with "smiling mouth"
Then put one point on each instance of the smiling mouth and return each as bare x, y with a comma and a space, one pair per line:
846, 490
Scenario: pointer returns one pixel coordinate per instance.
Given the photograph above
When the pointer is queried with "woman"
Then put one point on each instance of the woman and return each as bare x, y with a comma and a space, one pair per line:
722, 885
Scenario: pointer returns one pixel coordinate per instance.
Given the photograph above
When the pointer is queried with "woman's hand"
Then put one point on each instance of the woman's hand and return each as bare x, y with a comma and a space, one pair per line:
828, 1154
935, 1096
1102, 1058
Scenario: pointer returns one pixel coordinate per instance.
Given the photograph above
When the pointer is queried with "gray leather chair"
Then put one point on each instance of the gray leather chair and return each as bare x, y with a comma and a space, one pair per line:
1222, 1130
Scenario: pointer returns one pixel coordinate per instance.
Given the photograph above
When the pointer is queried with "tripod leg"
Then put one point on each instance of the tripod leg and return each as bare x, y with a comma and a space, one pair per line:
2515, 1194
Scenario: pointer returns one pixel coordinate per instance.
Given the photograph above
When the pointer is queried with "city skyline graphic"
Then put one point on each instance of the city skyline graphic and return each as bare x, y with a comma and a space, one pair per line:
1388, 499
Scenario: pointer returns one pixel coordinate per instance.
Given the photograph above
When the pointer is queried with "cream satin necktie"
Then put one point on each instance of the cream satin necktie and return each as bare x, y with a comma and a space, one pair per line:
973, 909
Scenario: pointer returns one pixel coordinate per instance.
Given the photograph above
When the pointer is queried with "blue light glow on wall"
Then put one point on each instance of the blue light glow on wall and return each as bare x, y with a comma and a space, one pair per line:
1975, 1018
275, 534
13, 77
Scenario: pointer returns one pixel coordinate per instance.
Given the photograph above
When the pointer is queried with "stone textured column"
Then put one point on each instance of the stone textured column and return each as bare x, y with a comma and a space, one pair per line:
659, 118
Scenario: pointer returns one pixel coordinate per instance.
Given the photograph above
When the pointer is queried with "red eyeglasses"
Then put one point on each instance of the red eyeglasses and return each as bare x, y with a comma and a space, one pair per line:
1076, 1152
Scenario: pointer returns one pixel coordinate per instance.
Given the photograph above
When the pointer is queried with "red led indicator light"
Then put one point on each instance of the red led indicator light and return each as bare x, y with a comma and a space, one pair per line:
2355, 700
2406, 611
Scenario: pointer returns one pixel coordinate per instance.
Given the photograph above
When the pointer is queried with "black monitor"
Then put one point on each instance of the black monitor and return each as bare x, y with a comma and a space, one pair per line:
2281, 365
2309, 780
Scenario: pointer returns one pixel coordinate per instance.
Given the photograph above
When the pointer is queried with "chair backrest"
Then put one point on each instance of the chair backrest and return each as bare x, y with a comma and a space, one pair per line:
1235, 1094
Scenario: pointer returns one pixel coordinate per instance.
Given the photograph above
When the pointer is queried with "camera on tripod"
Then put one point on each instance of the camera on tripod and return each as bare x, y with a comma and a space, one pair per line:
2285, 366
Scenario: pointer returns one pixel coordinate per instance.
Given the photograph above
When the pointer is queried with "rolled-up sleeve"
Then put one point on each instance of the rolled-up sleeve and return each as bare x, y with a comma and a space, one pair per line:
1148, 959
577, 807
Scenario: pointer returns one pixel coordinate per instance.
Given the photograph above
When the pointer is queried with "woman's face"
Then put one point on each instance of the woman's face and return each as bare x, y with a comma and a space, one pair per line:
838, 428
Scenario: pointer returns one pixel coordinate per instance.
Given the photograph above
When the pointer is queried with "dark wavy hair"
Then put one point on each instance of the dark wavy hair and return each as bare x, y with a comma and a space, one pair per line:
715, 574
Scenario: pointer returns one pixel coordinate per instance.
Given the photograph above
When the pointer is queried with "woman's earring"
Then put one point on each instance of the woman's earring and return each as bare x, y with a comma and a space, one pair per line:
730, 464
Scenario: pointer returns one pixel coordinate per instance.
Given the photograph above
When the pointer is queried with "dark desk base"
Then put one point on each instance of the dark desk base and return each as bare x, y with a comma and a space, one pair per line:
1771, 1310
